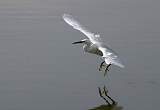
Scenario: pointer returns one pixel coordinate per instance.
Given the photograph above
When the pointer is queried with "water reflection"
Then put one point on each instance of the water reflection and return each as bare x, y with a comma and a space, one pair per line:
103, 93
107, 107
111, 104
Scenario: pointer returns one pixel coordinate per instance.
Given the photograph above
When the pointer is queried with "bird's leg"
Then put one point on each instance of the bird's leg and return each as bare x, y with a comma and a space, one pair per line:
100, 67
100, 93
107, 69
106, 94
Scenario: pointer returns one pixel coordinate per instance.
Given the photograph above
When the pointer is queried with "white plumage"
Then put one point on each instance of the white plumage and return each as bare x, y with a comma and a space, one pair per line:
94, 44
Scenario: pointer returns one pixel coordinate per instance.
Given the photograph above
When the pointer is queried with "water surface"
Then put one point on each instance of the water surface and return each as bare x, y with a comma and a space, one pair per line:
41, 70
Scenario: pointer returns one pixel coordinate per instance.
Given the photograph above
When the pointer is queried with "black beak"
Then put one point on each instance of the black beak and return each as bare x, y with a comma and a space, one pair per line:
78, 42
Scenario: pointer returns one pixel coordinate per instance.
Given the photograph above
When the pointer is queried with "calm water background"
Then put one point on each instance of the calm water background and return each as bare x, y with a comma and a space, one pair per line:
41, 70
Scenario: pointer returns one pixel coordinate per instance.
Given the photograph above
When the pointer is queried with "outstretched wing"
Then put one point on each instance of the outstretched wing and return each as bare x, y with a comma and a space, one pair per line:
110, 56
94, 38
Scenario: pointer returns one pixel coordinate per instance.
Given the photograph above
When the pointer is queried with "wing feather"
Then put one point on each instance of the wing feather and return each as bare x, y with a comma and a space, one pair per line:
110, 56
94, 38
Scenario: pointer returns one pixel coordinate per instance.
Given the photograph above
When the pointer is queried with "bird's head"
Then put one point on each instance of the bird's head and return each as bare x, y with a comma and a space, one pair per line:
84, 41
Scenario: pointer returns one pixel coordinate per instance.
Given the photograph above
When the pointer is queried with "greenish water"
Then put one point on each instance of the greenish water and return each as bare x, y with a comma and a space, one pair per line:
41, 70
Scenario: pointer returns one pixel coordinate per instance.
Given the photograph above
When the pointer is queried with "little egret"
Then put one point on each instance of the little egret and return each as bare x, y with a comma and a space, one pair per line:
94, 44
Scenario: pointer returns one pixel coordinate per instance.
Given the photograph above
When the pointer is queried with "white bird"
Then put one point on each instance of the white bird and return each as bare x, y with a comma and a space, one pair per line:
94, 44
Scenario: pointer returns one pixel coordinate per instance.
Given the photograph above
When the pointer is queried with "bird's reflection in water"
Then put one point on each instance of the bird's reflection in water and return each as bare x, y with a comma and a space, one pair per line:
110, 103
